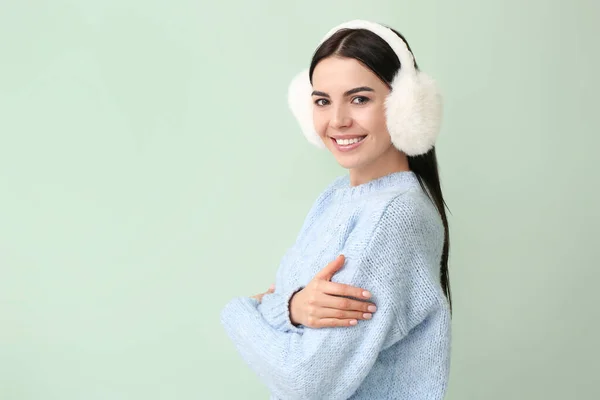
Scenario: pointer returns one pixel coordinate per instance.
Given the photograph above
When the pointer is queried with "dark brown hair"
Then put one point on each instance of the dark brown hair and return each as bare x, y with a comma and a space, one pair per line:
373, 52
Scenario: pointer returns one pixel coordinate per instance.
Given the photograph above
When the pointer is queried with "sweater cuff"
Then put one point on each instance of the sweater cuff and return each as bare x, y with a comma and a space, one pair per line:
275, 309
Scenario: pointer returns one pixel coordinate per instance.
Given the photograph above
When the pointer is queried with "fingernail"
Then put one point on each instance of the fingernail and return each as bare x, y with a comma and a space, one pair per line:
366, 294
367, 316
372, 308
353, 322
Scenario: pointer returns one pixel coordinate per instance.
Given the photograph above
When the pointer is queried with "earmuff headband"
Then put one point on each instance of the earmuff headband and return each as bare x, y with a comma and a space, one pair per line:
394, 41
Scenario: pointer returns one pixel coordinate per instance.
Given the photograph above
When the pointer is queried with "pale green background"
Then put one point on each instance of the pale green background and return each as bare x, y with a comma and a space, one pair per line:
150, 170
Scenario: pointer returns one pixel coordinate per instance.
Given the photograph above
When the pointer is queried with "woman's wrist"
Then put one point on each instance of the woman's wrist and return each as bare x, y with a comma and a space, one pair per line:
292, 310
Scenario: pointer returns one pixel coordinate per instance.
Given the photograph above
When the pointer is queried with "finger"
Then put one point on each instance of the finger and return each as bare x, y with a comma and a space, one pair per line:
341, 289
345, 304
334, 322
271, 288
324, 313
331, 268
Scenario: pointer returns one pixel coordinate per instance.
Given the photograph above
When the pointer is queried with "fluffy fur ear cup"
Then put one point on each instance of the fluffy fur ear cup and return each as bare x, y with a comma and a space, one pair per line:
414, 112
300, 103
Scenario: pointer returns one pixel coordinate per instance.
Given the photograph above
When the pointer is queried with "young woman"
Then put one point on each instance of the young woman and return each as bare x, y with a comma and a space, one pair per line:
361, 306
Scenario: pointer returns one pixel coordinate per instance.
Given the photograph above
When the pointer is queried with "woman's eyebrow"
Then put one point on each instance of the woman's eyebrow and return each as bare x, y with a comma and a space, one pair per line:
347, 93
317, 93
358, 89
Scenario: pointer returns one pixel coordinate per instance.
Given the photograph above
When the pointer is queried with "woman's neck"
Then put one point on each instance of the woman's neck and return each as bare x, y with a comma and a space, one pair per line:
389, 162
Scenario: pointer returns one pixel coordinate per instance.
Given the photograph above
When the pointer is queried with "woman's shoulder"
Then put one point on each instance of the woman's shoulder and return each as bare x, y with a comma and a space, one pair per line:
409, 231
412, 215
395, 218
412, 206
405, 219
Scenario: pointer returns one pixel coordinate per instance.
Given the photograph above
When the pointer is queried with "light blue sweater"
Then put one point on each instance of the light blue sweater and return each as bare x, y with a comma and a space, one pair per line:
391, 236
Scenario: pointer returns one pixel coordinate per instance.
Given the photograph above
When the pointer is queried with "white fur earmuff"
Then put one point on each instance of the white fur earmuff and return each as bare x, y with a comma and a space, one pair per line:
413, 107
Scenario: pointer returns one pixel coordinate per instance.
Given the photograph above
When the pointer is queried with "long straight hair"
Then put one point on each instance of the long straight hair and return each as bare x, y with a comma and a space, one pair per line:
373, 52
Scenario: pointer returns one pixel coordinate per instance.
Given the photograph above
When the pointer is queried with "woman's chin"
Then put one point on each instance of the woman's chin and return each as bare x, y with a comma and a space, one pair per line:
347, 161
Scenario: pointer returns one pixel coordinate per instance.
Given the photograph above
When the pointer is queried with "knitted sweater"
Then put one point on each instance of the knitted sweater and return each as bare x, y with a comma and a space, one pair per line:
392, 237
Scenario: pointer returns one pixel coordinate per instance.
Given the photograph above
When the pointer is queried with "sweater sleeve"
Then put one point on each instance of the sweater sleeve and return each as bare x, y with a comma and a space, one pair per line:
331, 363
276, 311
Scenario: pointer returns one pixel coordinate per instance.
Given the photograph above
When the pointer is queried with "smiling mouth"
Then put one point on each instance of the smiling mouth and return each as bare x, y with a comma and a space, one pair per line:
345, 145
348, 142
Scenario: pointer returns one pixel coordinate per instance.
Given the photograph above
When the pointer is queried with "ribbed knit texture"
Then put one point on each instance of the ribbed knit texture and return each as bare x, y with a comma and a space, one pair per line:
392, 238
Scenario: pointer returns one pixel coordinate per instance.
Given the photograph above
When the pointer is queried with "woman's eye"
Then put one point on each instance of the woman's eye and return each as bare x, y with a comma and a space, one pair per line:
360, 100
321, 102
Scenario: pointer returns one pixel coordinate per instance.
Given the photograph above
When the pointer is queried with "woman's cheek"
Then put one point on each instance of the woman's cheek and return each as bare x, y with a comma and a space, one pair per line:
371, 118
320, 124
361, 120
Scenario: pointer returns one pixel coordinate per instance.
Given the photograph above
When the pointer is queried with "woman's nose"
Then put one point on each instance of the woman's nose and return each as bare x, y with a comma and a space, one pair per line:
340, 118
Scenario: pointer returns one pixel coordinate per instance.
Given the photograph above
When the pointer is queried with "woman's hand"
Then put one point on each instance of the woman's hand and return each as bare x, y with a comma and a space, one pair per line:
318, 305
260, 296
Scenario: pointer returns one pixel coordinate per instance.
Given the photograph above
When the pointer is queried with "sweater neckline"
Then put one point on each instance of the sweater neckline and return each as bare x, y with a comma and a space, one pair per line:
394, 180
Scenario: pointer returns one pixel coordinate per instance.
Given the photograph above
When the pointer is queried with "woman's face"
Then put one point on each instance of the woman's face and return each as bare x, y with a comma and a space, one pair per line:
349, 112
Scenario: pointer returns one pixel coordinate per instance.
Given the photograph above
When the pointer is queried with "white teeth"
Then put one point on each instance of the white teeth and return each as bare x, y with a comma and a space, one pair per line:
346, 142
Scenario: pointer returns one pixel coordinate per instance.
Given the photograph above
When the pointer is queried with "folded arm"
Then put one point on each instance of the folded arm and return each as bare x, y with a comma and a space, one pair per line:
332, 362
